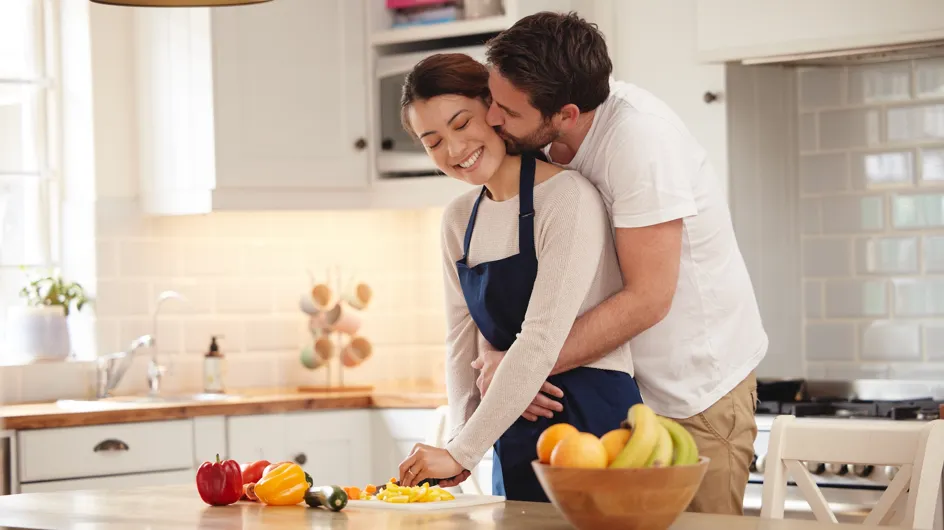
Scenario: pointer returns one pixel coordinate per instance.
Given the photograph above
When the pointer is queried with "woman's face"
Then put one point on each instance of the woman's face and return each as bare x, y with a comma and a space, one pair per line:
455, 135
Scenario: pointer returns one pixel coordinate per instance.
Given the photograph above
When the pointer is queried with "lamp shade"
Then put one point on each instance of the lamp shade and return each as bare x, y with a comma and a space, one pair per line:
179, 3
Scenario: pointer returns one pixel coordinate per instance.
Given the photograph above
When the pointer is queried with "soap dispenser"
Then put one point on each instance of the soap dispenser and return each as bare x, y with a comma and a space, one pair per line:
213, 369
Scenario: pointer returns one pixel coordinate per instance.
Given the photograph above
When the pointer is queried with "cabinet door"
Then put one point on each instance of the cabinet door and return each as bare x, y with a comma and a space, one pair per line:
394, 433
738, 29
332, 446
673, 72
256, 438
290, 98
117, 482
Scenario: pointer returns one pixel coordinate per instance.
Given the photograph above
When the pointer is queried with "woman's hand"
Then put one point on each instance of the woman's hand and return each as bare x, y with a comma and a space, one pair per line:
426, 461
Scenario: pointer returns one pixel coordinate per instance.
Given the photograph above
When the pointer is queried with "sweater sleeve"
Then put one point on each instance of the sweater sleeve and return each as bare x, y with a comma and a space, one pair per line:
461, 348
570, 246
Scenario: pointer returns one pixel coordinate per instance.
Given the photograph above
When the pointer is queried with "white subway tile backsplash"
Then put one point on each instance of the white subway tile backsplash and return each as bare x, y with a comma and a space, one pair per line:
859, 370
906, 124
876, 83
885, 340
833, 341
210, 258
918, 211
856, 298
918, 371
167, 335
121, 298
807, 132
934, 340
106, 258
933, 253
827, 257
275, 259
198, 296
874, 170
824, 173
52, 381
916, 297
273, 334
147, 258
813, 298
811, 216
932, 165
850, 214
106, 336
886, 255
929, 77
821, 87
230, 335
243, 297
844, 129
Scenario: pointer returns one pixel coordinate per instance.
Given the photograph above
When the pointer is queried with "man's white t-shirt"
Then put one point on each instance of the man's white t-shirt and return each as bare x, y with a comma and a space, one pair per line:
651, 170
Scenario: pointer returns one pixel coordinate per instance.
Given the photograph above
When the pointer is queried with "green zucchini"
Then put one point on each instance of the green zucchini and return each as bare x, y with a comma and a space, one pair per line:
331, 497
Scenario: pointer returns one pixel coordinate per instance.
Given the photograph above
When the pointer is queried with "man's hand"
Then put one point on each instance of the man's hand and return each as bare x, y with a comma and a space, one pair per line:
456, 480
488, 361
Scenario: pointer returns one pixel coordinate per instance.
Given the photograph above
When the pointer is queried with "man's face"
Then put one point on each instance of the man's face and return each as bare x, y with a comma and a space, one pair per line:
511, 114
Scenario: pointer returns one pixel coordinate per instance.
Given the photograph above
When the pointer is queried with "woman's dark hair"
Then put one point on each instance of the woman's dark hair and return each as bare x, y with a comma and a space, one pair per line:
441, 74
556, 58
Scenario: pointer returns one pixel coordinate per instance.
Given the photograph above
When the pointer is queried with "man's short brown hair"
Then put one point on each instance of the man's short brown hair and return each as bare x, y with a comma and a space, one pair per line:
556, 58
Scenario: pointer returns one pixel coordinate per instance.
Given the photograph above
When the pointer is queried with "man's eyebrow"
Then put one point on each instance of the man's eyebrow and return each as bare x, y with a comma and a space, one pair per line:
509, 111
454, 116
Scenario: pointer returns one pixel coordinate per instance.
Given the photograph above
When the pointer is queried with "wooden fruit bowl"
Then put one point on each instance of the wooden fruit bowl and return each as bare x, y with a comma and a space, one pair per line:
631, 499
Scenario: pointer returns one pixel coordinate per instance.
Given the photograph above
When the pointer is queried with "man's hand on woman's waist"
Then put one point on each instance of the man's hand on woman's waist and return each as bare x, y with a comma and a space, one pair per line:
487, 362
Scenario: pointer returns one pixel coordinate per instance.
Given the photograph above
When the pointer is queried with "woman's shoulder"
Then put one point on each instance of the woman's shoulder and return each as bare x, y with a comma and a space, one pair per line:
456, 214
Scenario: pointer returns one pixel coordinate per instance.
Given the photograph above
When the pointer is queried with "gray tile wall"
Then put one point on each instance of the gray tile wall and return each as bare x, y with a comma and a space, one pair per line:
871, 208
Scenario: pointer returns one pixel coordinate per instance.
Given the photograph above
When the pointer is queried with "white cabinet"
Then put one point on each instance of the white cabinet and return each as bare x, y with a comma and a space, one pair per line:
655, 49
332, 446
257, 107
138, 480
394, 432
733, 30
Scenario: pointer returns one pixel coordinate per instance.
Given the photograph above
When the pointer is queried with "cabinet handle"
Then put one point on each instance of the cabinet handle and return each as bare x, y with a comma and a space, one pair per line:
711, 97
300, 459
386, 144
110, 444
360, 144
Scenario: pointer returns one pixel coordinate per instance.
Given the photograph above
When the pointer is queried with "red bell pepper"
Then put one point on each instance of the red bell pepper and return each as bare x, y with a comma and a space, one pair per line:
252, 471
220, 483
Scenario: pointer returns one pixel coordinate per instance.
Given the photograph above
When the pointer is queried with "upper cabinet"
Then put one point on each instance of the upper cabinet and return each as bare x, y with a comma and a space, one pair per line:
736, 30
255, 107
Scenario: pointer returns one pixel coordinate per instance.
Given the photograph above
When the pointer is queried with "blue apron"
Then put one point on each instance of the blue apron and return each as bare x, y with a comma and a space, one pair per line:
497, 294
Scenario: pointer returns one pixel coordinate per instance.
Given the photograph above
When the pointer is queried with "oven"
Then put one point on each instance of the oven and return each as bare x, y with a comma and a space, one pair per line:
850, 491
401, 155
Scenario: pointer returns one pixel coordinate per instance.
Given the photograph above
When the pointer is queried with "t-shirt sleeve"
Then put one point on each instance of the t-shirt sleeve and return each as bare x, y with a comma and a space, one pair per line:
650, 172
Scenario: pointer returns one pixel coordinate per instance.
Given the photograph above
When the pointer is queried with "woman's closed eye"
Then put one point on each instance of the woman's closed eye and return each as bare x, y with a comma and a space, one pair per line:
464, 125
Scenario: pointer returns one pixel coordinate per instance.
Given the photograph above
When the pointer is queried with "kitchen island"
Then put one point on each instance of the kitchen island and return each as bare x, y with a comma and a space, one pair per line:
180, 507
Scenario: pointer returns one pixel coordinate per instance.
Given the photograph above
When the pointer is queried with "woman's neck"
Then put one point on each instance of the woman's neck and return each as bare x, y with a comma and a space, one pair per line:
504, 183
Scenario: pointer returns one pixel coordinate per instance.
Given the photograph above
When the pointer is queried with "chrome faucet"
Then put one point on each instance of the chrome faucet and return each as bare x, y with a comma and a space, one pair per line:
112, 367
156, 370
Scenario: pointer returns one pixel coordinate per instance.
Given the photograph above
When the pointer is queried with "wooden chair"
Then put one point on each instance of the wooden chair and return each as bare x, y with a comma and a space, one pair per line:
437, 438
911, 498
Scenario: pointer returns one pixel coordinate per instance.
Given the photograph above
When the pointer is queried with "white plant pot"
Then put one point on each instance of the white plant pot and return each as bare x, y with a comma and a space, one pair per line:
38, 333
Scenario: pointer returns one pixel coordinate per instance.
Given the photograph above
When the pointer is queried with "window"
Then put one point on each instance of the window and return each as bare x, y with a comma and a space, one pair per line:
29, 173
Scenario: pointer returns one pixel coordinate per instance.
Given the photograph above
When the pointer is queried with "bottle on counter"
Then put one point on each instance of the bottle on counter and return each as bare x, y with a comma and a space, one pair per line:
213, 367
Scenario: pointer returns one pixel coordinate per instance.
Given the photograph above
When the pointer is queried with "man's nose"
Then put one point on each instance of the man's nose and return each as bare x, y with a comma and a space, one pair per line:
494, 116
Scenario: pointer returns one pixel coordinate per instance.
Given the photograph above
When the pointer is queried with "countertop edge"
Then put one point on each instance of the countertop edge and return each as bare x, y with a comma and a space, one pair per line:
47, 416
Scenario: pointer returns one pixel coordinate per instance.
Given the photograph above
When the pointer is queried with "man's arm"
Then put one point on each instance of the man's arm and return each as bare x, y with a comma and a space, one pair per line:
649, 260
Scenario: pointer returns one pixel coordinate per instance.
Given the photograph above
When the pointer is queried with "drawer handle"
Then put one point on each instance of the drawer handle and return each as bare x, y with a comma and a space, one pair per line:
111, 444
300, 459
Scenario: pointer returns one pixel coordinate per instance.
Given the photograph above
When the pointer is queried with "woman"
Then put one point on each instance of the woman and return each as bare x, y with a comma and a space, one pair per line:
525, 253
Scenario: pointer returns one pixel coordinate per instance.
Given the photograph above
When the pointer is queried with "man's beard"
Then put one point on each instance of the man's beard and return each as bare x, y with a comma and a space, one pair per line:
543, 136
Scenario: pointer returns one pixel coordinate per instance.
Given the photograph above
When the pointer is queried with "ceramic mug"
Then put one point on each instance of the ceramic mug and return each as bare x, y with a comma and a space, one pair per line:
323, 297
310, 359
324, 348
356, 352
344, 318
358, 295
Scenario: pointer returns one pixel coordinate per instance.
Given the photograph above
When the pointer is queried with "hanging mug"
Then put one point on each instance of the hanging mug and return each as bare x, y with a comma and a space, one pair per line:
344, 318
356, 352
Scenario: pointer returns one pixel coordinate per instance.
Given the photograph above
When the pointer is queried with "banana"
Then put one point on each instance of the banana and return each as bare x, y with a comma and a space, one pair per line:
662, 455
686, 452
645, 426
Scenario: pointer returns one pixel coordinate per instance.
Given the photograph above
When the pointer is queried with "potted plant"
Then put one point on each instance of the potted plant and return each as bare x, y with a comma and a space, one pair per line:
40, 329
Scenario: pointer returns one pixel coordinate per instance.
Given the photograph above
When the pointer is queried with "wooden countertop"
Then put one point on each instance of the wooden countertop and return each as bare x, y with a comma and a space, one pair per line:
180, 508
257, 401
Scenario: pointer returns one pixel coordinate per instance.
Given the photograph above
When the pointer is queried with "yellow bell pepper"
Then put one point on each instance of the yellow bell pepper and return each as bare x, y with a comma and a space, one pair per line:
283, 486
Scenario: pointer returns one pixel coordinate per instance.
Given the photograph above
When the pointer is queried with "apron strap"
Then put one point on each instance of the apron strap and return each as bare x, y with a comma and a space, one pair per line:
471, 226
526, 207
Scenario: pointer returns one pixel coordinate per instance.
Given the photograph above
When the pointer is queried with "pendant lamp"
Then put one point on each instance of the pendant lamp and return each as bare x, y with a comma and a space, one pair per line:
179, 3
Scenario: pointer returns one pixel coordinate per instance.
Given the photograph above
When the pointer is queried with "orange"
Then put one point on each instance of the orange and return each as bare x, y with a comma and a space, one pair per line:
614, 442
580, 450
550, 438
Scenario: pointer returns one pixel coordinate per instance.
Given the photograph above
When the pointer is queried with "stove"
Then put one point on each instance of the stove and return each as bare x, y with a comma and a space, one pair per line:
850, 490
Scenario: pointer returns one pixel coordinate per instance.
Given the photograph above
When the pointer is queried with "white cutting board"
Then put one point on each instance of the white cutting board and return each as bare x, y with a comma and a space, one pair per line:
462, 501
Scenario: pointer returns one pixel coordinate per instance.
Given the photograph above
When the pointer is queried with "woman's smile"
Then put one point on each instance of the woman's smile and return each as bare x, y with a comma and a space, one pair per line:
471, 162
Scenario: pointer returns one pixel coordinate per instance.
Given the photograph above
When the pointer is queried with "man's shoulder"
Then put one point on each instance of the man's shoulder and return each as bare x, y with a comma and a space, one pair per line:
633, 112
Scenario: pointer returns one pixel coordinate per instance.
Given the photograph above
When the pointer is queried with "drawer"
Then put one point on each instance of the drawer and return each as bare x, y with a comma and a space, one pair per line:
100, 450
142, 480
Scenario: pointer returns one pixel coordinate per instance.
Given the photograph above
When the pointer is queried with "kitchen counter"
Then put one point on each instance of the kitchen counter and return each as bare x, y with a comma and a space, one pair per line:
179, 507
259, 401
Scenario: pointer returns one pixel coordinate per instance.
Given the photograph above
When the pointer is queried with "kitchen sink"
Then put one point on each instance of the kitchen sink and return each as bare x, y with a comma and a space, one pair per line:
121, 401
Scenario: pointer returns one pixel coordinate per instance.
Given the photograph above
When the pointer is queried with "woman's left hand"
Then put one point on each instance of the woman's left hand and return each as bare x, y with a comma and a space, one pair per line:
426, 461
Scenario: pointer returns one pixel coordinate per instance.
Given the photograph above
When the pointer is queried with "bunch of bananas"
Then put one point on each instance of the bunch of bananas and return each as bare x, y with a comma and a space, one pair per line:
656, 441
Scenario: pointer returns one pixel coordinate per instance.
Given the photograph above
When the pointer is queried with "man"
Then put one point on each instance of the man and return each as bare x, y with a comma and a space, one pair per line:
687, 304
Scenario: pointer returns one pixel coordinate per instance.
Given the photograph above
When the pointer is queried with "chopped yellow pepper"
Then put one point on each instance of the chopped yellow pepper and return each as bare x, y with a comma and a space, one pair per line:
283, 486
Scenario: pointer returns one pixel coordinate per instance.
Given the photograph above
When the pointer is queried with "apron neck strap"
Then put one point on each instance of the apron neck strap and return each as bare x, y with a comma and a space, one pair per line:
526, 206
